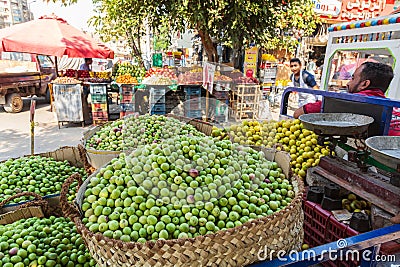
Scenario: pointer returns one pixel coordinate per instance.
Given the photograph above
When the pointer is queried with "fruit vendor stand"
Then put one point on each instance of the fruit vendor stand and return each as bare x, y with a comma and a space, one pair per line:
355, 189
179, 91
321, 224
61, 40
190, 222
98, 85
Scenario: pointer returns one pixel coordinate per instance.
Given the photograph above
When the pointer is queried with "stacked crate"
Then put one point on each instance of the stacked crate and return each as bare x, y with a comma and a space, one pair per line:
245, 101
192, 108
221, 105
268, 73
321, 227
127, 99
157, 100
98, 92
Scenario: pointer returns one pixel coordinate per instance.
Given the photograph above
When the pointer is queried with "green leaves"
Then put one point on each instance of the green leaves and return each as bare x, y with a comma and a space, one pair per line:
294, 19
236, 22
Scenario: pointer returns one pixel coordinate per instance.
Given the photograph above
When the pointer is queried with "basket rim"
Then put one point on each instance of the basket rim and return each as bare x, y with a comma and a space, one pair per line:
41, 154
98, 151
295, 203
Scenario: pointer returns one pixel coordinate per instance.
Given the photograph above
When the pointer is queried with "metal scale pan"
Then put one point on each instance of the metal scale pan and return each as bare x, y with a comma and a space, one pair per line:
336, 124
386, 150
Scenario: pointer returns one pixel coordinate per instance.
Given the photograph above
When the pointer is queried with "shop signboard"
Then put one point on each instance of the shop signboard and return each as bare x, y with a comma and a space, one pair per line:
365, 9
352, 10
250, 61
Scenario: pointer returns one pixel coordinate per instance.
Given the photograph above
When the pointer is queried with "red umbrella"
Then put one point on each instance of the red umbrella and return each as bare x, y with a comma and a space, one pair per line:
53, 36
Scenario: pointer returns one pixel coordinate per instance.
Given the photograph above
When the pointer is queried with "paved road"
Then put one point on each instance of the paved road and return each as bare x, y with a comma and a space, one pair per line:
15, 131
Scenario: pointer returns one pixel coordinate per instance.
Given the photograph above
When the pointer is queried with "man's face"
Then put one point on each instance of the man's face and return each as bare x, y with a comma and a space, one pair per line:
295, 67
355, 83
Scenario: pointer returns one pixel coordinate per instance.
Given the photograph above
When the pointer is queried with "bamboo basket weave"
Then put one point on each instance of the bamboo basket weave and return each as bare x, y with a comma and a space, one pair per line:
237, 246
34, 208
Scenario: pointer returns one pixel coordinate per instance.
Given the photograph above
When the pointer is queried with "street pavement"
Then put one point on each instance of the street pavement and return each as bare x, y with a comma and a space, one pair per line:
15, 138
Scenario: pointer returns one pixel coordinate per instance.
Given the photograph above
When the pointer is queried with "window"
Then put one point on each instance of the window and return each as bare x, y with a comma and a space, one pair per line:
45, 61
344, 62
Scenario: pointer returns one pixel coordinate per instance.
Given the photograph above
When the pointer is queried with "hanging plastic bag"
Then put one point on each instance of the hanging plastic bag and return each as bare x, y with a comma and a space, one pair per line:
263, 112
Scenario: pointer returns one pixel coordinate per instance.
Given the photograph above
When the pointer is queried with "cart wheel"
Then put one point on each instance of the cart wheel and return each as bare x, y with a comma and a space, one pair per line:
14, 103
48, 96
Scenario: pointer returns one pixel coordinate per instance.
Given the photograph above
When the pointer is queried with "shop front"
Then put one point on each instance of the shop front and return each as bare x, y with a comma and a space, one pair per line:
335, 11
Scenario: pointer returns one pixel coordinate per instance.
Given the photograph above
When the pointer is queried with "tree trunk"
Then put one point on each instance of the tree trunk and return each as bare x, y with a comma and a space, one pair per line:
139, 45
135, 50
208, 46
237, 56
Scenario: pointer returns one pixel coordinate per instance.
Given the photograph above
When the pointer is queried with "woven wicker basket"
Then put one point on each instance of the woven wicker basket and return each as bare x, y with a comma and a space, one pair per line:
34, 208
238, 246
98, 158
76, 157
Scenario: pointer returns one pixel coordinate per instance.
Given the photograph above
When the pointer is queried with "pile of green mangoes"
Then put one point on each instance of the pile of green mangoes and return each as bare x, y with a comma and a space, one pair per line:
38, 174
133, 131
42, 242
183, 187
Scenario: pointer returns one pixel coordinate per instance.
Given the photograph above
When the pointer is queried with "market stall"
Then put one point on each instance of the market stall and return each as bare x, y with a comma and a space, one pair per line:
352, 198
174, 203
61, 39
351, 44
181, 91
98, 85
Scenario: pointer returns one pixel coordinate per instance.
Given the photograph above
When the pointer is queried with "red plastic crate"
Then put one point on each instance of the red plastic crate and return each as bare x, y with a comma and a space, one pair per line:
308, 208
321, 227
320, 218
335, 230
99, 114
311, 237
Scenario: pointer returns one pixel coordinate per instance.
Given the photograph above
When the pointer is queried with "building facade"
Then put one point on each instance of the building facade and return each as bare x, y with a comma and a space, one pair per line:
14, 12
